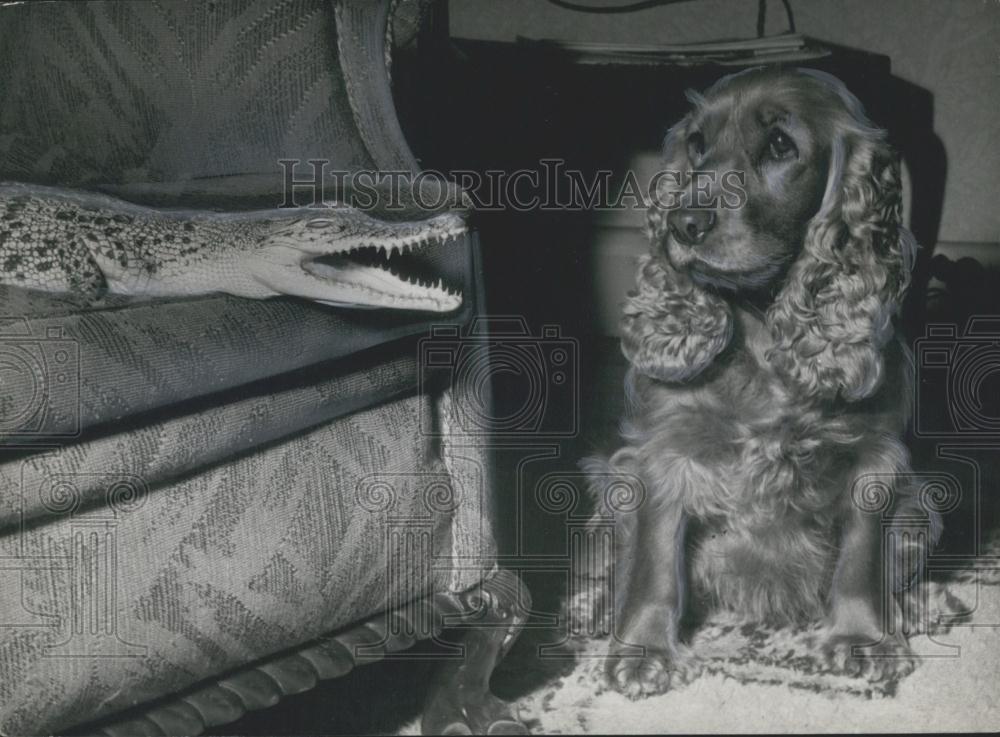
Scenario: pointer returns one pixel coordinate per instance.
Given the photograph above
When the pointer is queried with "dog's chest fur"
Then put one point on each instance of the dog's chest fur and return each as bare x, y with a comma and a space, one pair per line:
761, 479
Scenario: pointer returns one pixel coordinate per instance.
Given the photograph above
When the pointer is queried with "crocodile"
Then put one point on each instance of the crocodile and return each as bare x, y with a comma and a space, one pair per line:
93, 244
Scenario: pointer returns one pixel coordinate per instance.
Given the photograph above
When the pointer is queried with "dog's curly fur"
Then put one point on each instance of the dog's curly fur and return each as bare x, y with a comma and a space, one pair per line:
767, 392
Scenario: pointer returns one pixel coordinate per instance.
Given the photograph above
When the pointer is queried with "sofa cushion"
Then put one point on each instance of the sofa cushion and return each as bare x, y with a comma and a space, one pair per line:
71, 372
158, 586
195, 435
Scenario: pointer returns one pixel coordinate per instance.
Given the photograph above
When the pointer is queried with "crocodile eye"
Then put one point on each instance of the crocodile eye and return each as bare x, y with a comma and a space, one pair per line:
325, 224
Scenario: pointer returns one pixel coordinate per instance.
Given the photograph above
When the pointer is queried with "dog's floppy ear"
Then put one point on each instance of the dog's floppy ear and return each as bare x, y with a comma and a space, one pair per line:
833, 316
671, 327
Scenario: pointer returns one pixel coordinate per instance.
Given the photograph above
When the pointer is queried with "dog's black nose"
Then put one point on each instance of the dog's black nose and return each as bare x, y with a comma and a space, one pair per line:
691, 226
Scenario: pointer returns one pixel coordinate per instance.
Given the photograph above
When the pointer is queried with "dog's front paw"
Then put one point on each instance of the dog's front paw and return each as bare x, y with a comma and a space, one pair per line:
652, 672
859, 656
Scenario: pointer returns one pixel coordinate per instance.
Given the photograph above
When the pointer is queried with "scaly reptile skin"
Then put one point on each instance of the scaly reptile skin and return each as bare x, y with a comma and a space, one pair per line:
89, 244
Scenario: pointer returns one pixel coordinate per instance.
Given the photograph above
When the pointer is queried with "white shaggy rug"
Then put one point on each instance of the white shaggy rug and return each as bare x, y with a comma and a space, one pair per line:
769, 682
755, 680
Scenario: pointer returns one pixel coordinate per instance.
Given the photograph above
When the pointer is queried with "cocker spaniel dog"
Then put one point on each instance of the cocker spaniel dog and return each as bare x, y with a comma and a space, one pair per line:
767, 391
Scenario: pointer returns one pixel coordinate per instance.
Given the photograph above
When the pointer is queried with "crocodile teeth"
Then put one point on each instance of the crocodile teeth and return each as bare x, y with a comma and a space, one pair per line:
377, 286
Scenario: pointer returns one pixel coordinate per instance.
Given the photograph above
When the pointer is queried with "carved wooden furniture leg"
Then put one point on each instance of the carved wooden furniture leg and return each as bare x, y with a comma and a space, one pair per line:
460, 700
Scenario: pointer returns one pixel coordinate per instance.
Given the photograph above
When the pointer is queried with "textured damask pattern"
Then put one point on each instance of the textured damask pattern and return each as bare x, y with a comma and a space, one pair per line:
160, 586
214, 501
183, 442
170, 90
462, 704
127, 359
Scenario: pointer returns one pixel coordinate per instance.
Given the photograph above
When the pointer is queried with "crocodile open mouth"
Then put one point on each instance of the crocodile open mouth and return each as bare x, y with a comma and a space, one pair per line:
396, 276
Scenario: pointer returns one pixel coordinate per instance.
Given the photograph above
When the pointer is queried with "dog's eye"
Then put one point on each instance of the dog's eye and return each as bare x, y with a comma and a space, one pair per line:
696, 143
780, 146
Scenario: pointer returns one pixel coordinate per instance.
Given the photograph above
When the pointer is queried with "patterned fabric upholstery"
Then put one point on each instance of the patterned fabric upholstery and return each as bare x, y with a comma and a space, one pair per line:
197, 435
111, 604
189, 485
129, 359
185, 102
170, 91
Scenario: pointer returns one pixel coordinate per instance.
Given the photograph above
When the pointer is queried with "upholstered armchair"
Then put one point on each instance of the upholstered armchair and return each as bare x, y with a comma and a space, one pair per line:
209, 503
